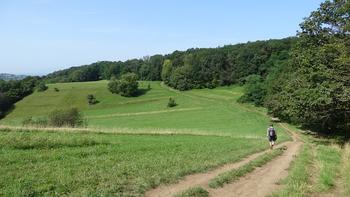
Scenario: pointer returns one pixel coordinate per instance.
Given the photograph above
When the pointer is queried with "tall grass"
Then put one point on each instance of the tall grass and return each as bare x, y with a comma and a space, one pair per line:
26, 140
328, 161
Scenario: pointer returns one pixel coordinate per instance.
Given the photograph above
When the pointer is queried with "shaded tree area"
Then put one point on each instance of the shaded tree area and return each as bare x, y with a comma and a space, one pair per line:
312, 87
209, 68
13, 91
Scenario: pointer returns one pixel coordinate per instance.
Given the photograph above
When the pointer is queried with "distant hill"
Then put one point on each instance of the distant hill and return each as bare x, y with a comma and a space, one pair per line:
7, 77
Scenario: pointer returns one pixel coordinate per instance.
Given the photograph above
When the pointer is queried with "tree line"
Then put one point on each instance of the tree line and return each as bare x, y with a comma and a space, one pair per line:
312, 87
13, 91
193, 68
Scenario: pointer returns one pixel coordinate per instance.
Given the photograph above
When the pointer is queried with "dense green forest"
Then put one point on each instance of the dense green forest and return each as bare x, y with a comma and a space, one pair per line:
312, 88
194, 68
303, 79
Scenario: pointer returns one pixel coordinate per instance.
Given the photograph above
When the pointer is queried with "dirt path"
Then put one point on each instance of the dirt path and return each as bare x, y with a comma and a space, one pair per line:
260, 182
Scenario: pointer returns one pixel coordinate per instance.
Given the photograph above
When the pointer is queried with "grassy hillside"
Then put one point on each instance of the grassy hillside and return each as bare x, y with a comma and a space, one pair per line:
209, 111
84, 163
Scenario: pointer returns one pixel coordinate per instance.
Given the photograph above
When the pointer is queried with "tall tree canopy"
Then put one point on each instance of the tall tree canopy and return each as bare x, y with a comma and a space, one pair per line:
316, 89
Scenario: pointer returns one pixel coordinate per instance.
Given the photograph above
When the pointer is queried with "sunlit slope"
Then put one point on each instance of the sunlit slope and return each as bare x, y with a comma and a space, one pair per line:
204, 110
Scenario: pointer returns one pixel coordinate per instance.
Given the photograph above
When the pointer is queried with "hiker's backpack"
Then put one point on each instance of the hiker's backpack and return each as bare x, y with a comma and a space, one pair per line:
272, 131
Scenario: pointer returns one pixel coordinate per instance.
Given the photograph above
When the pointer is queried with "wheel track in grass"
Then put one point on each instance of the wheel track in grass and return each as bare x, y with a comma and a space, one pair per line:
260, 182
145, 113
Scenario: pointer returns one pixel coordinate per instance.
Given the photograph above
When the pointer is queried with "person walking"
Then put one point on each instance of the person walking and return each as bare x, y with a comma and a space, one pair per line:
271, 135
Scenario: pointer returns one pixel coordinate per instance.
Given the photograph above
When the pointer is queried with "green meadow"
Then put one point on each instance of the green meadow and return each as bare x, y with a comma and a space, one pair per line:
210, 111
88, 164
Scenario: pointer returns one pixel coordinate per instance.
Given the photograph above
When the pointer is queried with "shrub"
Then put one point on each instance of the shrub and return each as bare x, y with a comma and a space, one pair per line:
56, 89
91, 99
171, 102
42, 87
127, 85
66, 117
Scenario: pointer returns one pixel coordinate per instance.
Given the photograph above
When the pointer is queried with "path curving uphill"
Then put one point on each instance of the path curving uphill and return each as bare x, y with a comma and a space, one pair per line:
260, 182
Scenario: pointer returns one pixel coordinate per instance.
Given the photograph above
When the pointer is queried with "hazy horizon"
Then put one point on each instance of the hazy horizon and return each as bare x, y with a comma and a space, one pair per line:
42, 36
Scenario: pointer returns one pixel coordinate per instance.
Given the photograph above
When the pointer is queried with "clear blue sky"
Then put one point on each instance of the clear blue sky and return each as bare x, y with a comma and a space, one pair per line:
41, 36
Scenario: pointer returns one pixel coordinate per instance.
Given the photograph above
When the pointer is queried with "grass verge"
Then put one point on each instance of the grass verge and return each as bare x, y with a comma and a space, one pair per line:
232, 175
194, 192
328, 159
296, 184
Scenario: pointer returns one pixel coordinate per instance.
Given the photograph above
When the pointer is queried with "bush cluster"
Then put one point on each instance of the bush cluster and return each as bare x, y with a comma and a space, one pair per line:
58, 118
91, 99
127, 85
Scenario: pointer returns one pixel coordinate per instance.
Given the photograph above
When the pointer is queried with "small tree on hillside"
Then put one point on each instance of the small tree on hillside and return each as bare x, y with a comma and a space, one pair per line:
126, 86
91, 99
171, 102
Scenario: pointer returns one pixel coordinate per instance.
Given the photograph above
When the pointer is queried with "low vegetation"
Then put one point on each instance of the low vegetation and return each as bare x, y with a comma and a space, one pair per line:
194, 192
233, 175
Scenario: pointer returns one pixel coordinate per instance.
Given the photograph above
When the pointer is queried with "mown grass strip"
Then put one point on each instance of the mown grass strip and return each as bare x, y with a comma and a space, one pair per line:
232, 175
296, 184
145, 113
193, 192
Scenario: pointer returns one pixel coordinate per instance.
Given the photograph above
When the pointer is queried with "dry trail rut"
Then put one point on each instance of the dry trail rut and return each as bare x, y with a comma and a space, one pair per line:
261, 182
